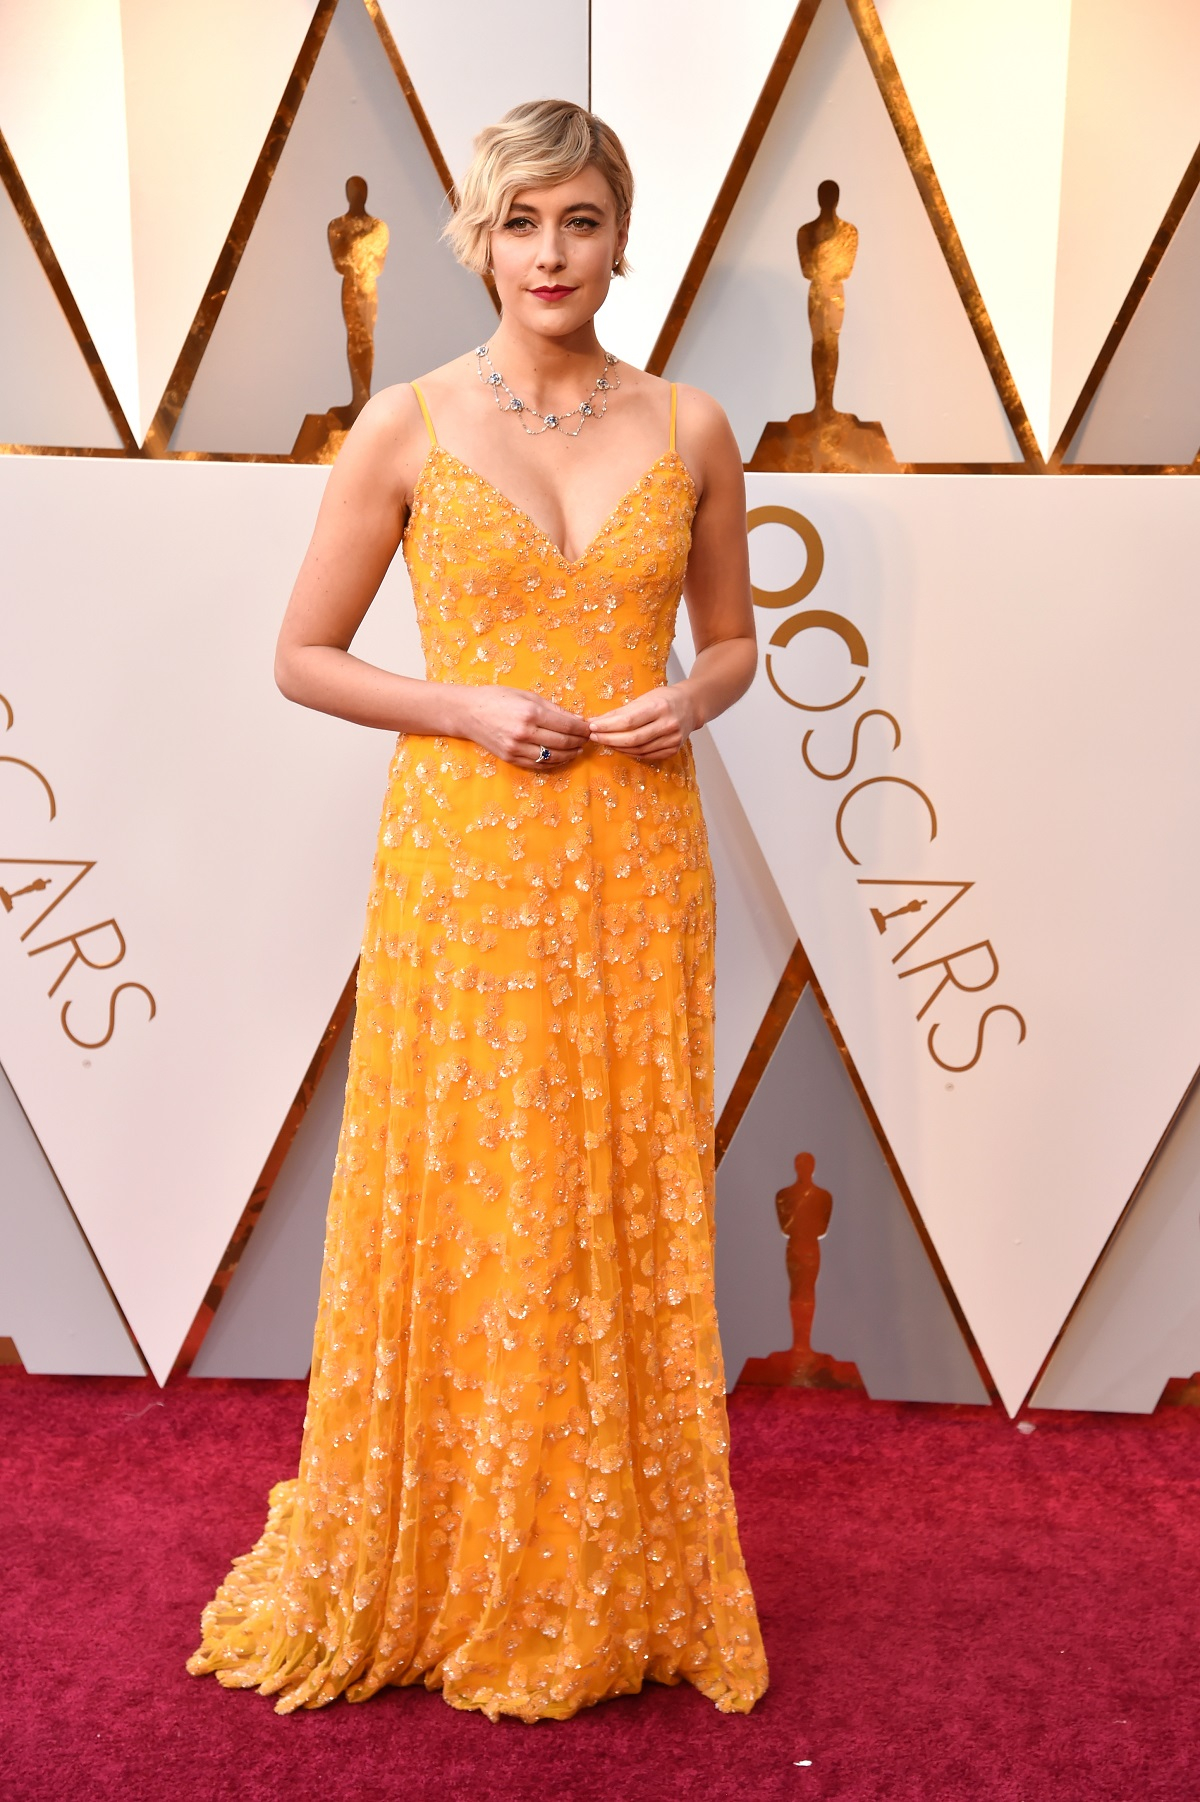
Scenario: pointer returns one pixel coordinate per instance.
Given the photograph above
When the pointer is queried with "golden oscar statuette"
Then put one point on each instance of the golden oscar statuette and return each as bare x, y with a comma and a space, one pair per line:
358, 245
825, 439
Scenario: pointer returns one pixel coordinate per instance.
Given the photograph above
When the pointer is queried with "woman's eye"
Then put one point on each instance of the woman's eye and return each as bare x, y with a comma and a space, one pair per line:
581, 221
512, 224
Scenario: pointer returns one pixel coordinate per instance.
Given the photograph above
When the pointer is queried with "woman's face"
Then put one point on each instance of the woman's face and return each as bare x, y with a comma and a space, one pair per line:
553, 252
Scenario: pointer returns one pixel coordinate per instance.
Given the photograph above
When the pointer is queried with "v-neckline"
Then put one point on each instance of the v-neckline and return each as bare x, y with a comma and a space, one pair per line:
571, 563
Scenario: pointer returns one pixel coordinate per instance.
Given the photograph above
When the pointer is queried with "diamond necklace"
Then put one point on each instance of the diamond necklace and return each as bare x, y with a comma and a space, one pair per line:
550, 421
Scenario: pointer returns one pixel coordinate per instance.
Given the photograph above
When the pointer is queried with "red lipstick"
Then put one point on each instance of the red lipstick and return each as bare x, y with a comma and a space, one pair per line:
551, 293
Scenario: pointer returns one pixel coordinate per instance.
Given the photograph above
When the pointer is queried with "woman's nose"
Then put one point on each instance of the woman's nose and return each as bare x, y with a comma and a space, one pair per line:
550, 251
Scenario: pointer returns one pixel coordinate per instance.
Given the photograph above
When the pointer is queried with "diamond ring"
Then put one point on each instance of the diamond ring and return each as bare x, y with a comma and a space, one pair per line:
543, 755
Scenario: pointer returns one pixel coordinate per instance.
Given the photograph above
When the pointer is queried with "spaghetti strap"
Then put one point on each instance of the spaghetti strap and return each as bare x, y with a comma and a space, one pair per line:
429, 423
672, 414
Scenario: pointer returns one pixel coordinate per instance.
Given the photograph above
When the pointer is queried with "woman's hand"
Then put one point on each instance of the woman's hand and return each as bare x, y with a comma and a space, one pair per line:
652, 728
514, 724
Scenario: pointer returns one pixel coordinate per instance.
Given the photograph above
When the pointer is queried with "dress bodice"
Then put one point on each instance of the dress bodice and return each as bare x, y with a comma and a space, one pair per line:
497, 601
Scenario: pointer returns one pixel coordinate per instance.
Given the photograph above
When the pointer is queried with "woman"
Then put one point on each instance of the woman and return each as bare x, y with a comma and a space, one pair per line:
514, 1479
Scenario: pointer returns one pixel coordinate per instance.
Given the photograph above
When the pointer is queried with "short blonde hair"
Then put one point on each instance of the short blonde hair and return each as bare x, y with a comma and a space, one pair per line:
535, 145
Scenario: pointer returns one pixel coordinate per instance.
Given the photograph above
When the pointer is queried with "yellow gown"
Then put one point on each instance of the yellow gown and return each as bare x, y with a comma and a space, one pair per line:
514, 1479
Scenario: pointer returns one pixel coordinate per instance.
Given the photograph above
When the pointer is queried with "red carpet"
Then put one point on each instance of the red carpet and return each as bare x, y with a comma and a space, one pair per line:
952, 1610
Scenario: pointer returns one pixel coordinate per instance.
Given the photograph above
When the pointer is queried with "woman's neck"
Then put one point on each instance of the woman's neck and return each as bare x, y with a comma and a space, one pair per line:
547, 373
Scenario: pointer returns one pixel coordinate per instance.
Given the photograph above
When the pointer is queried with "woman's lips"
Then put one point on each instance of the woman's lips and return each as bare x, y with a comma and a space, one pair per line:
551, 293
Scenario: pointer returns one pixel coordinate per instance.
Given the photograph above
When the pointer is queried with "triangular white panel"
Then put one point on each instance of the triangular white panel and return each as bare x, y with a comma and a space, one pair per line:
678, 83
1034, 644
1139, 66
463, 80
278, 351
54, 1303
229, 836
988, 84
908, 356
62, 112
1147, 407
203, 79
47, 395
1138, 1323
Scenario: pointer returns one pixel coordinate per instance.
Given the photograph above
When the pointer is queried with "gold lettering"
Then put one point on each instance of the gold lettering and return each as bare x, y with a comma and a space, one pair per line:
95, 1044
872, 782
872, 713
850, 636
997, 1008
79, 955
22, 765
26, 877
947, 964
814, 564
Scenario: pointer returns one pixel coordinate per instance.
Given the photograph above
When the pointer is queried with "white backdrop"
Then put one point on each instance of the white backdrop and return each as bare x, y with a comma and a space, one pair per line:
1029, 640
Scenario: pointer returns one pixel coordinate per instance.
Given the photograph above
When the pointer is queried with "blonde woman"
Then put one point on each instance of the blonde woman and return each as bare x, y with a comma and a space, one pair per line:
514, 1480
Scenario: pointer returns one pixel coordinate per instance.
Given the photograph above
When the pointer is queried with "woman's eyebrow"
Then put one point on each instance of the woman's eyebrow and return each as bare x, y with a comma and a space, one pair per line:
580, 206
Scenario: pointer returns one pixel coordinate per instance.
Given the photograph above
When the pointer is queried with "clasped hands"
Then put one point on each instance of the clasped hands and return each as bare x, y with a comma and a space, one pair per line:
515, 723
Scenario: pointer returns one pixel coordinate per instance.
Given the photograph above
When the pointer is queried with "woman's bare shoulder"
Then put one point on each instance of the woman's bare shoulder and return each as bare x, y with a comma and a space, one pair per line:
397, 409
393, 414
390, 438
704, 415
446, 378
705, 439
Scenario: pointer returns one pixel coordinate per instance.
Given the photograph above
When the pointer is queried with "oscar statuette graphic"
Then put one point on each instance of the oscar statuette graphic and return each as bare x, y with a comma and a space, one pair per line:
881, 919
358, 245
825, 439
804, 1211
7, 897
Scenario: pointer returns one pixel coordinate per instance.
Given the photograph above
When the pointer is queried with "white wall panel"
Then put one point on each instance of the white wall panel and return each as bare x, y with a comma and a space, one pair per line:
988, 85
908, 356
1033, 641
54, 1303
62, 111
1147, 407
678, 82
1132, 124
232, 835
47, 395
467, 75
1138, 1325
203, 79
278, 350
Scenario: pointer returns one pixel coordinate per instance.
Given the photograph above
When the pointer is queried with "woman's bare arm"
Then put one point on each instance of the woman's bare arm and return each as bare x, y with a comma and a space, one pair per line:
357, 533
719, 602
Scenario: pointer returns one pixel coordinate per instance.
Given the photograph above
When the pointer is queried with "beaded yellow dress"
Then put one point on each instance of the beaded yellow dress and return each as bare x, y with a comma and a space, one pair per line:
514, 1480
